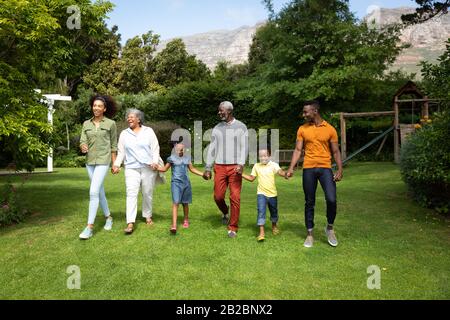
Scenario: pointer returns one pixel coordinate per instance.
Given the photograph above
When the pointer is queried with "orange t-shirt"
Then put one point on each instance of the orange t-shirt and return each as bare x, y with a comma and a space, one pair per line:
316, 141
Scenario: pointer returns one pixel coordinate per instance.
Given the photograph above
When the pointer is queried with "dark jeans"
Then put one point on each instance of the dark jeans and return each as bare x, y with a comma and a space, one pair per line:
262, 203
325, 177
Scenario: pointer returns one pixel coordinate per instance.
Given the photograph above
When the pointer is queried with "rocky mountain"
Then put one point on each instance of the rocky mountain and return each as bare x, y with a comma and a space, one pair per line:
427, 40
212, 47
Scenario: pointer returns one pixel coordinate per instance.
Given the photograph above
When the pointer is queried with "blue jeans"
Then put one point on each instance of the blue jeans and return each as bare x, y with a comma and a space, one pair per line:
325, 177
97, 195
262, 202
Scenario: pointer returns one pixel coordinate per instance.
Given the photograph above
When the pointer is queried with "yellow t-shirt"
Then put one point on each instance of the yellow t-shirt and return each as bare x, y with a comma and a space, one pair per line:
316, 141
266, 178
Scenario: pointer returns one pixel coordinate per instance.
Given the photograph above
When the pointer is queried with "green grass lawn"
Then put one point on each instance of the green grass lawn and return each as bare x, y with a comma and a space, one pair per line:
377, 224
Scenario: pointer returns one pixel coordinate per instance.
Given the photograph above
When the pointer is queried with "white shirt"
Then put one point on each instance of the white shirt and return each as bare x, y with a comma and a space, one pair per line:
137, 149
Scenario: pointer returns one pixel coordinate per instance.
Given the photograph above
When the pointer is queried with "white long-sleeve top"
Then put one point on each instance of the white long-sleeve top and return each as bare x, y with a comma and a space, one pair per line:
138, 150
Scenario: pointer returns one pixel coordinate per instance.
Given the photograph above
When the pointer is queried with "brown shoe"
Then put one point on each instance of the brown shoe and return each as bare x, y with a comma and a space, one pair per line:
275, 231
129, 229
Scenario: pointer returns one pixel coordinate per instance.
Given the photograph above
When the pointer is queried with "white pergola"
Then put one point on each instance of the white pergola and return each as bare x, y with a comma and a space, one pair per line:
50, 101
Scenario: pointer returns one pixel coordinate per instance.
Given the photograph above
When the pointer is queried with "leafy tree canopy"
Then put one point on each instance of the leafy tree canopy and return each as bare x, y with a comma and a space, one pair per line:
427, 10
37, 48
315, 49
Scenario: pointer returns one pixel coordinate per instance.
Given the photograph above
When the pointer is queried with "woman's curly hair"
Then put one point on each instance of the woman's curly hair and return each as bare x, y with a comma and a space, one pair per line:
108, 101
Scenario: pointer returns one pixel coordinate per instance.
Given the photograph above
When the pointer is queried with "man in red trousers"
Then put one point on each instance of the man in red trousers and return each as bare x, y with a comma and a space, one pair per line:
228, 152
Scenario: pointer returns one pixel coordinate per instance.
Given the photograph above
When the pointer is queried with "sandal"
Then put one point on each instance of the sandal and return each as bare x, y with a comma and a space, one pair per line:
186, 224
275, 231
128, 230
149, 221
260, 238
173, 230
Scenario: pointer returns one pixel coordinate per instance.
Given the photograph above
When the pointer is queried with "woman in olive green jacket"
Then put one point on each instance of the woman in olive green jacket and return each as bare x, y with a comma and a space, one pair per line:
99, 142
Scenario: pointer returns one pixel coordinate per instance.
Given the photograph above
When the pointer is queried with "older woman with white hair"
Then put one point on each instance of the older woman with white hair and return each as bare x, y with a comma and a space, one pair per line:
138, 147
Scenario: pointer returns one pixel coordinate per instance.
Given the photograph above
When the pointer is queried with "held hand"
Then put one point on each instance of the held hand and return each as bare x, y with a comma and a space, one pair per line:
289, 173
338, 176
154, 166
239, 169
115, 170
207, 175
84, 148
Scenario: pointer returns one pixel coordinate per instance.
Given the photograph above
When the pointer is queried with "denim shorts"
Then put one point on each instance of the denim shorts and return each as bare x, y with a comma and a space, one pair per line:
262, 203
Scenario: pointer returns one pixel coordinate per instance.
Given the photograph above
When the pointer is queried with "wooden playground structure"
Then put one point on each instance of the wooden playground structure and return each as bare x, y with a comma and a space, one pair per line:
401, 130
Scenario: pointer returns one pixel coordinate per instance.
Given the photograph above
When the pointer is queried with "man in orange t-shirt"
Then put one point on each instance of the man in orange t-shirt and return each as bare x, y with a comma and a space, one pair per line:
320, 141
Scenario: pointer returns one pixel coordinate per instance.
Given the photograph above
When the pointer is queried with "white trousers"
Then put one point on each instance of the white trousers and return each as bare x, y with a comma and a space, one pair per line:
134, 179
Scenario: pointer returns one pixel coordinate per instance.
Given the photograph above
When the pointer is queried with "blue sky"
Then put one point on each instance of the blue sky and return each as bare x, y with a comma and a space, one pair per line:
172, 18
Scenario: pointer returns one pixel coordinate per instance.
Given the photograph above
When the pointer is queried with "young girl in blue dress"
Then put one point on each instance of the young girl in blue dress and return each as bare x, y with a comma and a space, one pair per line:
180, 184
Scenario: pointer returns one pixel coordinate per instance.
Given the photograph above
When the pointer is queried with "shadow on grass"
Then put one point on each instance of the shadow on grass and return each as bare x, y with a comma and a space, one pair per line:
45, 196
214, 218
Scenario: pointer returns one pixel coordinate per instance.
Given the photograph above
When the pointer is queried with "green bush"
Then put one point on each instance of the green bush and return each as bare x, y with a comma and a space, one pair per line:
194, 101
147, 103
163, 130
69, 160
11, 210
425, 164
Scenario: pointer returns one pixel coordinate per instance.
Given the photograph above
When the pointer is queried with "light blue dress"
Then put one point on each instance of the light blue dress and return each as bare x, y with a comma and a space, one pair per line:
180, 184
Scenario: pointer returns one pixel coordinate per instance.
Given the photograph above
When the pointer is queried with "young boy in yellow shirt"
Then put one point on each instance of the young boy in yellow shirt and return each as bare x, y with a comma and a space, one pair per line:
265, 171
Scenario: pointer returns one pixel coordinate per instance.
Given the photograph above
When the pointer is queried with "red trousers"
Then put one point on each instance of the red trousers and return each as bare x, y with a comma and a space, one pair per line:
225, 175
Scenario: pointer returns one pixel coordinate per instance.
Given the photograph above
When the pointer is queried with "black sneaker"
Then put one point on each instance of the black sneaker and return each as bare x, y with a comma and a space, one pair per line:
225, 219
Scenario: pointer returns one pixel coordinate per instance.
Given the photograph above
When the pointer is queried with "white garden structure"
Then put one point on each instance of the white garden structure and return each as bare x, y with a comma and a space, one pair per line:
50, 101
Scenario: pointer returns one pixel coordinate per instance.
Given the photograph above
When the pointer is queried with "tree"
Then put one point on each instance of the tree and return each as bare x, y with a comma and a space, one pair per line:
227, 72
436, 77
137, 56
129, 72
103, 74
76, 46
35, 41
427, 10
314, 49
104, 77
173, 65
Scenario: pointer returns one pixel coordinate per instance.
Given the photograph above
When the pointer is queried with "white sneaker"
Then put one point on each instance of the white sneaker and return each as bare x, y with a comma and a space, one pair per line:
232, 234
331, 236
86, 234
309, 241
108, 224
